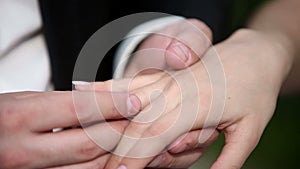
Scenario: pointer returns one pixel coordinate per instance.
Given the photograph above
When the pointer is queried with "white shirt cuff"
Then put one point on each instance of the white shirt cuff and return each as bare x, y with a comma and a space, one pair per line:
134, 37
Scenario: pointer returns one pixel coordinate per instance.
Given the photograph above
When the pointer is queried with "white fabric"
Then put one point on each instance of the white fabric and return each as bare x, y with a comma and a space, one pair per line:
134, 37
17, 18
27, 66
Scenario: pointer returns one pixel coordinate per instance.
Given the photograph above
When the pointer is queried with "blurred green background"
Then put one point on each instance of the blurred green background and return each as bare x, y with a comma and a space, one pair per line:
279, 147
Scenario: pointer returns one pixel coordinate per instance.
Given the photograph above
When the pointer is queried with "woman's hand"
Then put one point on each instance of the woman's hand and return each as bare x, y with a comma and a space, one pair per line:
254, 68
177, 46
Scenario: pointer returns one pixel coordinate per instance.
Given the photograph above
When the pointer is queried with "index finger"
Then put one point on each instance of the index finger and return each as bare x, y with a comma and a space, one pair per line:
48, 110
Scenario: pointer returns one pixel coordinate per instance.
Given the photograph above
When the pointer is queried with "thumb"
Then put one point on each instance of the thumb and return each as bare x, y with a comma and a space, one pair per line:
177, 46
189, 45
240, 140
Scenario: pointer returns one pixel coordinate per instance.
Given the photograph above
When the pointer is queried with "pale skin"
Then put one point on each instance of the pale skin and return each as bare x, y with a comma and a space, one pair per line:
279, 32
244, 117
184, 153
257, 61
27, 140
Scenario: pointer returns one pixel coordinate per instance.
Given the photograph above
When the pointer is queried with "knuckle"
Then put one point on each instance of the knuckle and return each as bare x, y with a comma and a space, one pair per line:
189, 142
12, 116
89, 150
202, 26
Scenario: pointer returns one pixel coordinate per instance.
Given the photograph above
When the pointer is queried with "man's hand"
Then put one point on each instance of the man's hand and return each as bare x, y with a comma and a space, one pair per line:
27, 120
27, 141
176, 46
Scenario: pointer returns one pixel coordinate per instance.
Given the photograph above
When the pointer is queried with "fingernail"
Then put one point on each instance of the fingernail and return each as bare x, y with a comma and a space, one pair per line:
82, 85
122, 167
133, 104
181, 51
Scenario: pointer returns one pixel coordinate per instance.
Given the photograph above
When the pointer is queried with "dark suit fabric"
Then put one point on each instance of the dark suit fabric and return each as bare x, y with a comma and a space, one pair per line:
67, 25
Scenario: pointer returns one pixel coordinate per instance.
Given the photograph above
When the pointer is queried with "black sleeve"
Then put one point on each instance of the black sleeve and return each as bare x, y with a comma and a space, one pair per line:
68, 24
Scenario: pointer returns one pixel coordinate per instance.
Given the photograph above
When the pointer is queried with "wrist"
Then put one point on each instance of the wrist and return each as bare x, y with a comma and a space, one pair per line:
278, 48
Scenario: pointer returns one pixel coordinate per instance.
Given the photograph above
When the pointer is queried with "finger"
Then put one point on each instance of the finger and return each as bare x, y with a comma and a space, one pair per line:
131, 151
240, 140
178, 46
161, 126
157, 44
116, 85
189, 45
190, 141
141, 86
182, 160
158, 134
179, 55
97, 163
164, 88
75, 146
64, 109
119, 85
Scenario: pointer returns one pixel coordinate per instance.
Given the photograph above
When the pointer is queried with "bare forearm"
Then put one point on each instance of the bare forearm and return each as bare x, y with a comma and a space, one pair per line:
281, 19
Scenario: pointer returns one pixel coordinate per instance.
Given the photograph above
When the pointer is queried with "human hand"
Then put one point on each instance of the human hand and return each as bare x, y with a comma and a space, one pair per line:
27, 140
252, 88
183, 152
59, 160
171, 47
27, 120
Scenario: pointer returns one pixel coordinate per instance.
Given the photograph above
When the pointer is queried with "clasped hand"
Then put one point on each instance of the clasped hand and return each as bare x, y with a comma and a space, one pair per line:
252, 88
156, 105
